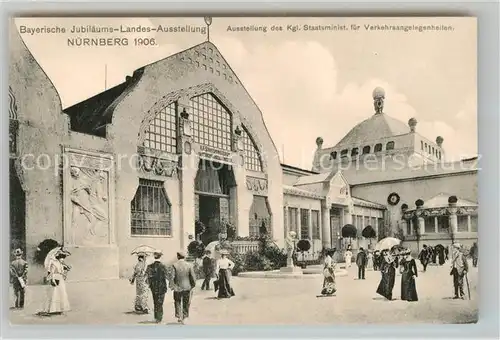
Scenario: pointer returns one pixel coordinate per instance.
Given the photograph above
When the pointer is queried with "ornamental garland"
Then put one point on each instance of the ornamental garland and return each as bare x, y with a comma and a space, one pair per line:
393, 199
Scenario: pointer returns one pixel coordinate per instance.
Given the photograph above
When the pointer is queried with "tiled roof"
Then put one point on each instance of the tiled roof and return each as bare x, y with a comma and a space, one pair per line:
293, 191
367, 204
357, 177
380, 125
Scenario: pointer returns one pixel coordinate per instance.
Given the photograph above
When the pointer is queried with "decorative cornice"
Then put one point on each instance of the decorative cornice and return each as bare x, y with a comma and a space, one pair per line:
443, 211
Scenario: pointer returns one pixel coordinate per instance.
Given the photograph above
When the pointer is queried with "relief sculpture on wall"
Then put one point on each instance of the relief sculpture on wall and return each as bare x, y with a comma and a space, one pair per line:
90, 207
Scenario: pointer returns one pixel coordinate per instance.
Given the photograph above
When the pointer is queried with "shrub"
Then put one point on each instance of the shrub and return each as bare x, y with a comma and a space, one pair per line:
196, 249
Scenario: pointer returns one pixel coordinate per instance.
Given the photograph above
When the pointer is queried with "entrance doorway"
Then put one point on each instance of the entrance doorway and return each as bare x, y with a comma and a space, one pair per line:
209, 215
17, 211
213, 185
335, 225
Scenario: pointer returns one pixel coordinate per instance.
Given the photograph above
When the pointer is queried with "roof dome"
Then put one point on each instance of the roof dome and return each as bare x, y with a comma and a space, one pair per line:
375, 127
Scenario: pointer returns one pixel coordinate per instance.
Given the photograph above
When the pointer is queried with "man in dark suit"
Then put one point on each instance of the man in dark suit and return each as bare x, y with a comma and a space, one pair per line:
207, 270
157, 280
183, 282
361, 263
18, 277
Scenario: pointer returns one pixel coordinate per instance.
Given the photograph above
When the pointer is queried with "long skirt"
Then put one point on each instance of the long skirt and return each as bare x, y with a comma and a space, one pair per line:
369, 264
386, 284
57, 299
408, 288
329, 287
141, 295
225, 290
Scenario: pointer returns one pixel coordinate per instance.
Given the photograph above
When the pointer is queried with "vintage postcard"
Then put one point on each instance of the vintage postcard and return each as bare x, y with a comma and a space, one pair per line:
243, 171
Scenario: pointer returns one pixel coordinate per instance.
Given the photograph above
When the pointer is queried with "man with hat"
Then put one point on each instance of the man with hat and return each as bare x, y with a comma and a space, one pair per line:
459, 268
157, 275
183, 283
18, 277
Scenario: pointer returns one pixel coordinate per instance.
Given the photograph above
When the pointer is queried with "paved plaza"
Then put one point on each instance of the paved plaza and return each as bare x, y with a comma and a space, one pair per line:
271, 302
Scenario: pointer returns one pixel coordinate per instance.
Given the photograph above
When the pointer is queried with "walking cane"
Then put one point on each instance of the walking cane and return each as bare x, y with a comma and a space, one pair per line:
467, 282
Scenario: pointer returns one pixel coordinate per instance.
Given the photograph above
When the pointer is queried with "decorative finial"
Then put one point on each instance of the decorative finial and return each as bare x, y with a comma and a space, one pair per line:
439, 141
378, 99
412, 123
319, 142
208, 22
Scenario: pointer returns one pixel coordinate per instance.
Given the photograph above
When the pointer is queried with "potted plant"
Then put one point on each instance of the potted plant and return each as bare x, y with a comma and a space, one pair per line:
303, 246
369, 233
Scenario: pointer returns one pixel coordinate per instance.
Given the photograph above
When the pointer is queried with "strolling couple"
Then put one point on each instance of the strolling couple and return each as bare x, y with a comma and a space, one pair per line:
182, 282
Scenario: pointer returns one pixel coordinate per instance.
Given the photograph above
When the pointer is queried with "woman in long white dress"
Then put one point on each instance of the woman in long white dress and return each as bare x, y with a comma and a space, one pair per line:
57, 300
348, 257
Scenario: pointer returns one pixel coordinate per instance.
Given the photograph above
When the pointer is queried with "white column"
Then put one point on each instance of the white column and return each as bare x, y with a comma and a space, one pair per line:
404, 227
325, 226
436, 225
421, 225
299, 224
412, 227
309, 221
453, 219
286, 222
469, 224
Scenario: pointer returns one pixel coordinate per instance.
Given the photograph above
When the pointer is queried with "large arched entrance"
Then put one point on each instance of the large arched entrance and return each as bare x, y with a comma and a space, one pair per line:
213, 190
17, 210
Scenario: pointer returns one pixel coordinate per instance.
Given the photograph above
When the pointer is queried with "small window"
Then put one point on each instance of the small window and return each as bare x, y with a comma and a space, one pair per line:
426, 149
333, 155
366, 149
354, 152
343, 153
422, 145
378, 147
389, 146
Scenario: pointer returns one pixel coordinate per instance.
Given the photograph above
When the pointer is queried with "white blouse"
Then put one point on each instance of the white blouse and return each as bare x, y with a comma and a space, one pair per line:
224, 263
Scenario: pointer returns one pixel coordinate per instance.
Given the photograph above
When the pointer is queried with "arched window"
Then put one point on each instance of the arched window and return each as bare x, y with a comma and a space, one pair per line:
253, 161
344, 153
151, 211
161, 134
354, 152
378, 147
366, 149
211, 122
389, 146
333, 155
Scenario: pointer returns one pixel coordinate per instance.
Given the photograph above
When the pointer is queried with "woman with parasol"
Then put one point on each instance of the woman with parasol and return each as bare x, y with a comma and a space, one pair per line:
139, 277
388, 270
57, 300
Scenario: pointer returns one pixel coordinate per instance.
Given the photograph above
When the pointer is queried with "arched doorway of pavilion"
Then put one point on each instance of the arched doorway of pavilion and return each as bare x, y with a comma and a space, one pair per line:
214, 187
17, 210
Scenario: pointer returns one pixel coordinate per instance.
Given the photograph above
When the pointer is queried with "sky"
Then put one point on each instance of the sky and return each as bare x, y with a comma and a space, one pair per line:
306, 83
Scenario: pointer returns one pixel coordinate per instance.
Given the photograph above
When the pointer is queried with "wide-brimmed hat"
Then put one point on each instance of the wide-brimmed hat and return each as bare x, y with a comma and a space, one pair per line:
224, 252
158, 252
18, 252
456, 245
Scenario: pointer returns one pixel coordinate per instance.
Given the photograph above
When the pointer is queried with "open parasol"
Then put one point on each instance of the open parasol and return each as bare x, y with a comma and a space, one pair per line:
143, 249
51, 256
387, 243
